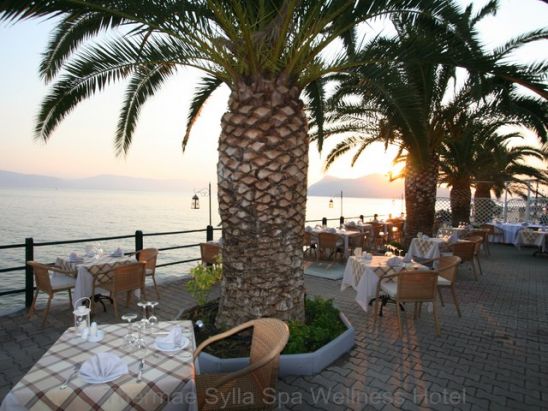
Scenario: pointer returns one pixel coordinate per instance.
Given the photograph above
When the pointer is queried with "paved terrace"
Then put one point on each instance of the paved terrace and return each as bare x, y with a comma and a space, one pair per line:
494, 357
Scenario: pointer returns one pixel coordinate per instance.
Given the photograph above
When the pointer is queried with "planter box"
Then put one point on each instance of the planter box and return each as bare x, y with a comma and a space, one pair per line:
290, 364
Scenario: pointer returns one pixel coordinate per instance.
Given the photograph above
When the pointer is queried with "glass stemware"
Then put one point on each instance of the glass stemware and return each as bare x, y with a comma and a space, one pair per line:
144, 321
130, 338
152, 319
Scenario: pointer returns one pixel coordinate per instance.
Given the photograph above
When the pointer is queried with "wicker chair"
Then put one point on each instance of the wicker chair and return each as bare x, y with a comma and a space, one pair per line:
484, 235
124, 277
50, 285
310, 245
467, 250
329, 245
149, 256
356, 241
258, 380
410, 287
210, 252
447, 270
380, 236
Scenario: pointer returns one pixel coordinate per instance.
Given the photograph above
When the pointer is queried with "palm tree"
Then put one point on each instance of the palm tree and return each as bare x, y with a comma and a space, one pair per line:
271, 54
405, 103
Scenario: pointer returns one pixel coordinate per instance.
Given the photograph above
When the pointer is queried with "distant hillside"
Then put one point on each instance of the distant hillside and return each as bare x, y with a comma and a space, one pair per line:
373, 186
9, 179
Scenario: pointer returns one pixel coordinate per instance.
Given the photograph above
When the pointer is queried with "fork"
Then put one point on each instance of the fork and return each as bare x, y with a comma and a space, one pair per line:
74, 372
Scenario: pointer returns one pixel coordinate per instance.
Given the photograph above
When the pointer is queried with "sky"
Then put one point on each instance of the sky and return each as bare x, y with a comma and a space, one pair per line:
82, 145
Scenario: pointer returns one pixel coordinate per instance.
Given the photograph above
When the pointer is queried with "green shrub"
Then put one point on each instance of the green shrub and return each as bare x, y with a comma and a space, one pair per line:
203, 279
322, 324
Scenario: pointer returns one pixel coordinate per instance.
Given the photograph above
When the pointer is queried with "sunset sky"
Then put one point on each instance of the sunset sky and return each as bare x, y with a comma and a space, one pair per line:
83, 144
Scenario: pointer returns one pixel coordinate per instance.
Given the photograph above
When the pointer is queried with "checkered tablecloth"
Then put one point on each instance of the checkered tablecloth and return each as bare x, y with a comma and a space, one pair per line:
90, 269
530, 237
363, 275
168, 378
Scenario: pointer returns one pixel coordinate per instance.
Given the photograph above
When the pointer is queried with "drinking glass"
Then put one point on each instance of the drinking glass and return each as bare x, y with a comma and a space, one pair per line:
152, 319
130, 338
144, 321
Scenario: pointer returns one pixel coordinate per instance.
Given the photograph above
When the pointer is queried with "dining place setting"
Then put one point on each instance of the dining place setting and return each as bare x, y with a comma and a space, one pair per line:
137, 364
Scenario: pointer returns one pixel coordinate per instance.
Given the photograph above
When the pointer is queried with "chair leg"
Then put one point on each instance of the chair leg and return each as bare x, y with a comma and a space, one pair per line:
70, 299
115, 306
50, 297
455, 300
441, 297
128, 298
416, 311
474, 269
479, 265
399, 318
33, 306
436, 320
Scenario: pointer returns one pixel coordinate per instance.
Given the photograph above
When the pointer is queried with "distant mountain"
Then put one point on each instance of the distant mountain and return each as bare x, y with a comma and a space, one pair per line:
372, 186
10, 179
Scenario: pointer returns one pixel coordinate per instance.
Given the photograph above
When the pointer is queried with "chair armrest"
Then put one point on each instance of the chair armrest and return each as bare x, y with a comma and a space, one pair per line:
221, 336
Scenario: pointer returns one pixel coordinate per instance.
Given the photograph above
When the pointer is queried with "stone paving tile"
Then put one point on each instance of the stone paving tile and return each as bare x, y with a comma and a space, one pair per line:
493, 358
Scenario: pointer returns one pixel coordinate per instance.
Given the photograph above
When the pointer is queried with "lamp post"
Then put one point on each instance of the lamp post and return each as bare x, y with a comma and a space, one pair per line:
195, 205
331, 205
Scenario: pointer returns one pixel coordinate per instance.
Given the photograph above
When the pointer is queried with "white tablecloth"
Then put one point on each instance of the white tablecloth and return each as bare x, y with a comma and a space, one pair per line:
426, 248
90, 268
511, 231
363, 275
343, 234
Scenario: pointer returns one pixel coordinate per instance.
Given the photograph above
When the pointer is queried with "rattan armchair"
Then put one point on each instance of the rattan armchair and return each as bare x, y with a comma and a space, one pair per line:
310, 245
329, 245
210, 252
468, 251
257, 381
447, 267
410, 287
62, 281
124, 277
149, 256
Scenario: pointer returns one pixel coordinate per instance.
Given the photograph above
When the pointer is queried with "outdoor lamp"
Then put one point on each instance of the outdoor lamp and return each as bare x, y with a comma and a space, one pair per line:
331, 203
195, 205
394, 229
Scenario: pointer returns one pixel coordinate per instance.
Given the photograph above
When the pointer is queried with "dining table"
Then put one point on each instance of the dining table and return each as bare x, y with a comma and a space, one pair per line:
167, 378
343, 234
91, 268
510, 230
428, 247
362, 274
533, 238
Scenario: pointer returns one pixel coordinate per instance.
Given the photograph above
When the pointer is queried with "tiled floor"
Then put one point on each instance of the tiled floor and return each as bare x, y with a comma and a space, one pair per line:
494, 357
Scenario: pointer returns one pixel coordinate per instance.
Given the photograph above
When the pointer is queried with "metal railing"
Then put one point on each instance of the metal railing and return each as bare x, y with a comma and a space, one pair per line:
30, 245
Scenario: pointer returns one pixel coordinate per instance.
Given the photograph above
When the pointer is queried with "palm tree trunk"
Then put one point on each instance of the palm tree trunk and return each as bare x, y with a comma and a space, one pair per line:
262, 177
460, 196
483, 206
420, 197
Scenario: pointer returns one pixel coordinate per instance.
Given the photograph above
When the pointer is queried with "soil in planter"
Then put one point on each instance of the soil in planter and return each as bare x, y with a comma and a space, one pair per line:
322, 325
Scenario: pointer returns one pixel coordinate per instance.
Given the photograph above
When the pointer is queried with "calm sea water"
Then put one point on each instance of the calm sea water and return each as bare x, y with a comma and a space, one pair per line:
55, 215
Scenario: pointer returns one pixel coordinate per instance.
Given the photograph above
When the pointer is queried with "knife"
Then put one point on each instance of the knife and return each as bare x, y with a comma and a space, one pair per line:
141, 366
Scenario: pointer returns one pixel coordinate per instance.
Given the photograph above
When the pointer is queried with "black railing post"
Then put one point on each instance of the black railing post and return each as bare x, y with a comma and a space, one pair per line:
209, 233
324, 221
361, 217
138, 240
29, 278
341, 220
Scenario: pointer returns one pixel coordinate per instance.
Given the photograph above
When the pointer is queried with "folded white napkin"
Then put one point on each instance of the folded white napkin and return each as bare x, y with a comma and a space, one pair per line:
308, 228
351, 224
425, 237
117, 253
367, 256
103, 367
395, 262
173, 340
74, 257
331, 230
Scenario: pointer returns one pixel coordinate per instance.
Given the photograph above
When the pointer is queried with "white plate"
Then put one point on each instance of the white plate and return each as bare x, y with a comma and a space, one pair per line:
184, 344
107, 379
98, 337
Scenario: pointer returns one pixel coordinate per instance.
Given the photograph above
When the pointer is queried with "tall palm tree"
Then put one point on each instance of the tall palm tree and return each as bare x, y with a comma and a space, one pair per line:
271, 54
405, 102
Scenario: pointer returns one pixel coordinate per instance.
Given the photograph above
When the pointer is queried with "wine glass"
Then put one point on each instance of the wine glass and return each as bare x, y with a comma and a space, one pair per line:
144, 321
152, 319
130, 338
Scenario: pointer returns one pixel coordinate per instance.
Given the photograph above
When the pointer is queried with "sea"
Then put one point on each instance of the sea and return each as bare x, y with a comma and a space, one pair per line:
49, 215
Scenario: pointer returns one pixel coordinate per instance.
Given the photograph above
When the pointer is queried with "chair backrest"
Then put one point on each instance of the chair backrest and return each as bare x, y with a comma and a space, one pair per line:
327, 240
209, 252
417, 285
148, 256
355, 241
448, 266
378, 228
307, 239
465, 249
126, 277
489, 228
477, 240
41, 276
269, 339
